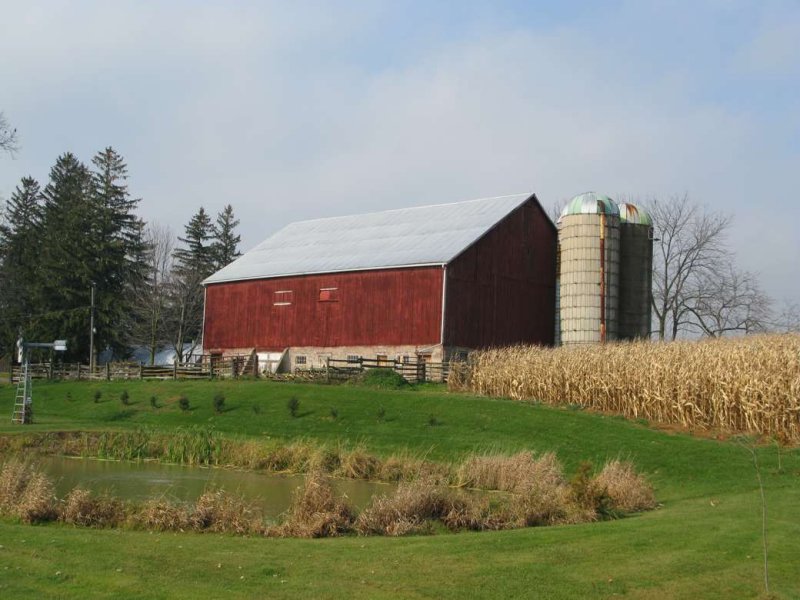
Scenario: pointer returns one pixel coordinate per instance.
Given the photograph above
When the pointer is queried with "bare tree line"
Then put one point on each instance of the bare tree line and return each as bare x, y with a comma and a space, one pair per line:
698, 288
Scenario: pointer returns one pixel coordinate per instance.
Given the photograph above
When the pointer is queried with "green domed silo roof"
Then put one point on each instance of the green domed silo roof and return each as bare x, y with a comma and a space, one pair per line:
631, 213
590, 203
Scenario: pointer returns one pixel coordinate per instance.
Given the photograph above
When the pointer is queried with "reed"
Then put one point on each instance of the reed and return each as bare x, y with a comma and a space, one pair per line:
739, 385
537, 494
316, 511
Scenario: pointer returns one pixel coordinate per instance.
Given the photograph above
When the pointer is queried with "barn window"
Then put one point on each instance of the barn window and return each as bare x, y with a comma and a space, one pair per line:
282, 298
353, 358
406, 359
329, 294
300, 359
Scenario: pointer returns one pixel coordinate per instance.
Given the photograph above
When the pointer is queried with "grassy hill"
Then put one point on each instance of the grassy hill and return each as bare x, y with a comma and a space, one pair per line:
704, 541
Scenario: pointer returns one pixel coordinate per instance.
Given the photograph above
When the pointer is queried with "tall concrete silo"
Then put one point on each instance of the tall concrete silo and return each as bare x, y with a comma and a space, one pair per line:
636, 272
589, 269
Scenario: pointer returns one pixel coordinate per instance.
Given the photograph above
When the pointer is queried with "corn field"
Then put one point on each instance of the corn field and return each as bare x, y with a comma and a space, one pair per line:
739, 385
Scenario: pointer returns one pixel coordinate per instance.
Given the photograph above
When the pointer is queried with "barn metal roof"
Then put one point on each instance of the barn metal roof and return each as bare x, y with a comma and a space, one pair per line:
417, 236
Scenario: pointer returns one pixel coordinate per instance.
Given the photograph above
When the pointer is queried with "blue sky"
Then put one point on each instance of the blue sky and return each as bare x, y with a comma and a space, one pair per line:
292, 110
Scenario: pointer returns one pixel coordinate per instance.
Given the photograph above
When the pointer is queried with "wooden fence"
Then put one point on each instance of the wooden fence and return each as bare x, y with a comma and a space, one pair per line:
412, 371
231, 367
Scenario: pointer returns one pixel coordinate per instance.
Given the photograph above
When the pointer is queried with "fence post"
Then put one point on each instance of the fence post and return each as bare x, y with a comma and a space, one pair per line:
79, 371
141, 371
108, 371
174, 369
255, 365
50, 371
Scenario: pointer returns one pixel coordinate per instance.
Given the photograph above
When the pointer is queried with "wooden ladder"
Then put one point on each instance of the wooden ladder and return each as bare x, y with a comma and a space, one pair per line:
22, 400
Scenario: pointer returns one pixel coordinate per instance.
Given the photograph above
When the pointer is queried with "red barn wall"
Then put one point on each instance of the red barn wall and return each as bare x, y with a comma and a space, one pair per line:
501, 290
392, 307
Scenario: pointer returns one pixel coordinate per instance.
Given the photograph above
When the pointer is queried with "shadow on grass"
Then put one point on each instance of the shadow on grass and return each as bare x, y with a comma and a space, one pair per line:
122, 415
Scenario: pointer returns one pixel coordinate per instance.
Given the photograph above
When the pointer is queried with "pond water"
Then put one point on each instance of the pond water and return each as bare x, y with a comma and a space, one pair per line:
144, 480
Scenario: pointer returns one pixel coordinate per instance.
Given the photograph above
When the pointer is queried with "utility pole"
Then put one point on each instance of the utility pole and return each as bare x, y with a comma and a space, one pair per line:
91, 334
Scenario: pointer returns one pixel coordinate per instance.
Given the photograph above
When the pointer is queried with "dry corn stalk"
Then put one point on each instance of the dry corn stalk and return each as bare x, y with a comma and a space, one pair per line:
749, 384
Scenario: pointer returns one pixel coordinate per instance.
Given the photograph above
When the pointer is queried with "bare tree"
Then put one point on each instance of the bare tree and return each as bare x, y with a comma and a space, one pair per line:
151, 299
727, 300
556, 208
186, 312
787, 318
690, 247
8, 136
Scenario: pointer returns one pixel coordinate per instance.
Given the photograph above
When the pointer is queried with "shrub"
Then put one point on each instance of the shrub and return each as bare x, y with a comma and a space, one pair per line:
515, 473
183, 402
316, 511
412, 507
14, 478
358, 464
382, 378
334, 413
219, 403
293, 404
217, 510
83, 508
433, 421
589, 493
97, 395
160, 515
125, 397
381, 414
153, 402
37, 503
25, 493
256, 409
627, 490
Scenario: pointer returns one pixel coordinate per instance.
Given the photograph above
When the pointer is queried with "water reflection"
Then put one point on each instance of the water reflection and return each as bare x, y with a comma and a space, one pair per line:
143, 480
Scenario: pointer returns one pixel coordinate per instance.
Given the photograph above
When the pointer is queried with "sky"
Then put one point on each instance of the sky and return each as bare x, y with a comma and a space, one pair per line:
295, 110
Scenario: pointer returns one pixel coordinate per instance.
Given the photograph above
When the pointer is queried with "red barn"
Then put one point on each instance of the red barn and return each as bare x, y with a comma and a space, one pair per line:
423, 282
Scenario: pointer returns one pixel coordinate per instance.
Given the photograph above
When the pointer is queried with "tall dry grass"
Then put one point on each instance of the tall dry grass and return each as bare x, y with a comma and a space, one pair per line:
316, 511
534, 492
740, 385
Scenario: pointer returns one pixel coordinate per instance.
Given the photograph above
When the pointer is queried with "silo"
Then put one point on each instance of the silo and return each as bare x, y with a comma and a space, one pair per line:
589, 269
636, 272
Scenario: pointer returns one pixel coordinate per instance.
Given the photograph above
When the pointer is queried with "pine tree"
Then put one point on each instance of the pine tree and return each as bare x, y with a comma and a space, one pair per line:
193, 263
225, 248
120, 265
69, 250
19, 248
68, 255
197, 256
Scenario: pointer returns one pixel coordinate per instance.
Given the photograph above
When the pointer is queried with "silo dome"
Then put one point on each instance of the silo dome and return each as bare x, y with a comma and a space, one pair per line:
636, 215
590, 203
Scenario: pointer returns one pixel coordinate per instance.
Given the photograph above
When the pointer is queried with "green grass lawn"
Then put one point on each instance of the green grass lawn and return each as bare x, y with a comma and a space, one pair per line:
705, 541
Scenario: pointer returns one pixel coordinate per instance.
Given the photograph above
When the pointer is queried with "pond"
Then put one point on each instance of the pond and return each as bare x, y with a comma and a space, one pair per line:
143, 480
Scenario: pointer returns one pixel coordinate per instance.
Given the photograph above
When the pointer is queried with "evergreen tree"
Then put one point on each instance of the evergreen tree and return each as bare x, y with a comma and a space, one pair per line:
193, 263
19, 248
68, 256
120, 266
197, 255
225, 248
79, 232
